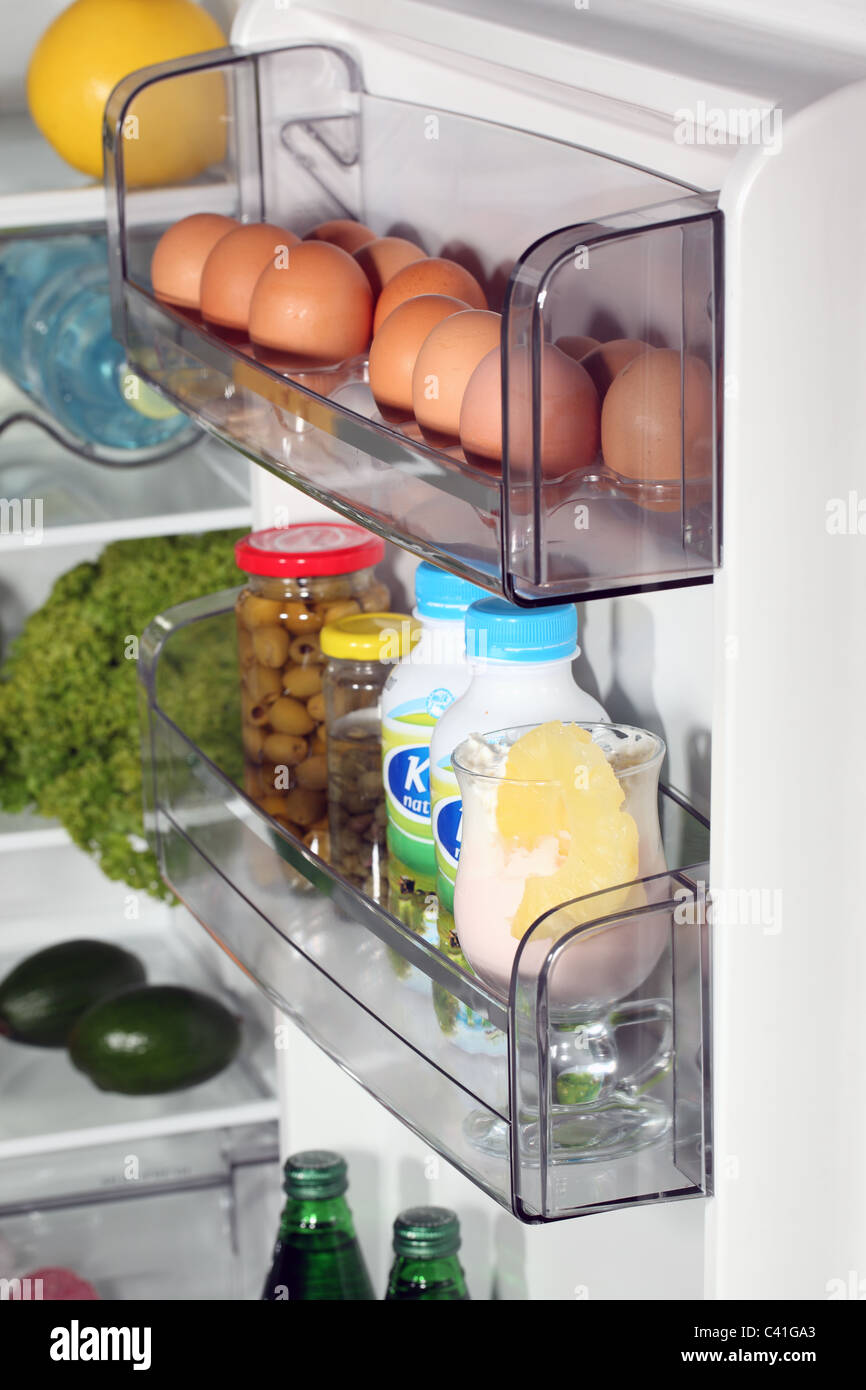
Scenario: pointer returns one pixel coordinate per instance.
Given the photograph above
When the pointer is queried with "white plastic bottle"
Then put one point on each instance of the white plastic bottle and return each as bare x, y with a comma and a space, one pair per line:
520, 665
417, 693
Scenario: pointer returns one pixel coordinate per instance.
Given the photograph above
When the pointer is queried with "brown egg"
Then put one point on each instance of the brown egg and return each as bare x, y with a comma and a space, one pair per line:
448, 357
313, 311
433, 275
233, 267
381, 259
576, 347
606, 361
396, 346
569, 414
178, 261
344, 232
481, 413
646, 434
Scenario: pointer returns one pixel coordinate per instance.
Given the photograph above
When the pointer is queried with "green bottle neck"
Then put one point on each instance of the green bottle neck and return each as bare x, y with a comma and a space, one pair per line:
414, 1278
311, 1217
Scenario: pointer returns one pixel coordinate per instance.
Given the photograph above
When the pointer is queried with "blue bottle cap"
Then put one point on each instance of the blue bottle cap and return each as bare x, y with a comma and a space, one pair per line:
500, 631
439, 594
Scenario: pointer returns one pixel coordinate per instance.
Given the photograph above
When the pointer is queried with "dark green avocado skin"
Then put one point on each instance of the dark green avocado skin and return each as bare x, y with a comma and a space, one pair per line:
154, 1039
46, 994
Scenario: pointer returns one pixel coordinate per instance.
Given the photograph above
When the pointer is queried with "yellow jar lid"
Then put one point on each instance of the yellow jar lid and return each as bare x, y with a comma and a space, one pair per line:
370, 637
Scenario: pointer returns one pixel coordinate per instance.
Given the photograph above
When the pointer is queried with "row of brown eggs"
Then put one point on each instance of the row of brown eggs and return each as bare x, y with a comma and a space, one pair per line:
303, 304
438, 361
435, 356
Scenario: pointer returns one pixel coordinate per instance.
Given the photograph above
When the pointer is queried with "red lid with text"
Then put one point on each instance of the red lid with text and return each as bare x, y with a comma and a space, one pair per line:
311, 547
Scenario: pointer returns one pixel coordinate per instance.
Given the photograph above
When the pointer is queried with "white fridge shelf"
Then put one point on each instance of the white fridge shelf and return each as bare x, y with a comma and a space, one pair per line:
184, 1217
37, 187
46, 1105
24, 830
203, 488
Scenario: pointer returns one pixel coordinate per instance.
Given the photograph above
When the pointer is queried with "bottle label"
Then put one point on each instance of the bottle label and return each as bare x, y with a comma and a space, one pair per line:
406, 733
447, 830
407, 782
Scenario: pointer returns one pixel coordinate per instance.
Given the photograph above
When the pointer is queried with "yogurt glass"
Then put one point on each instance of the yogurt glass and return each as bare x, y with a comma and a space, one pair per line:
493, 871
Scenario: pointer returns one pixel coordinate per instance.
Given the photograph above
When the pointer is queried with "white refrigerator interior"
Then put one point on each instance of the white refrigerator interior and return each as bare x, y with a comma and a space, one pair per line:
754, 109
163, 1196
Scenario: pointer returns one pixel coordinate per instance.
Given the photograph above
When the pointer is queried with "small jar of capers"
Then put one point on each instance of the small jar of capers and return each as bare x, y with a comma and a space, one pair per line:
361, 652
298, 579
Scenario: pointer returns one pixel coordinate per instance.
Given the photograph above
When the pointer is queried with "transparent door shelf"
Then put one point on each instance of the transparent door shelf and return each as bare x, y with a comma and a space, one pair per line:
507, 1089
565, 242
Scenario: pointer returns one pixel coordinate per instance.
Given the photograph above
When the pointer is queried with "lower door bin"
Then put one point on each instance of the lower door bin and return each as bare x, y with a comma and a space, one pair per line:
553, 1112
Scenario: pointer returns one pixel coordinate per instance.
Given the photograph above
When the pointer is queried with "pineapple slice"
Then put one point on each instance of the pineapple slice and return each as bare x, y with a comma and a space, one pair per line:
578, 800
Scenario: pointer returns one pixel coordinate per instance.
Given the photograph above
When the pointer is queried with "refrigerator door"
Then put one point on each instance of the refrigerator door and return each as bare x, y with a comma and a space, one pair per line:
757, 659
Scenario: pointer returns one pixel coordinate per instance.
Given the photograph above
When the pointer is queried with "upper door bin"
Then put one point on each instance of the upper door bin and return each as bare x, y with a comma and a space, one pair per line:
541, 472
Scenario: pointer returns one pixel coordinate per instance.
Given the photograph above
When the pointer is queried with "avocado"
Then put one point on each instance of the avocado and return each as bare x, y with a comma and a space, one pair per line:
45, 994
154, 1039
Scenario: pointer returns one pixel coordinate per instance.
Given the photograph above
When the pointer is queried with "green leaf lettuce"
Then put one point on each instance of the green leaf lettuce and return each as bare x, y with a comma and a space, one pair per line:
69, 722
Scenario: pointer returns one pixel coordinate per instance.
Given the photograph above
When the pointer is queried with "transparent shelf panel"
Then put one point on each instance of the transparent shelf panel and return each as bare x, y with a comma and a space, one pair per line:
503, 1087
190, 1216
206, 487
578, 491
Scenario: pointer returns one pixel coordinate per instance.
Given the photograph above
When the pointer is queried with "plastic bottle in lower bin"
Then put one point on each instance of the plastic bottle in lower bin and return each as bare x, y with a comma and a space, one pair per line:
361, 651
317, 1257
520, 662
417, 693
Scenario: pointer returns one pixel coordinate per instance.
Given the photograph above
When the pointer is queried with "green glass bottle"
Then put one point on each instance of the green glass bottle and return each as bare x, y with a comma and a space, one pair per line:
317, 1256
426, 1267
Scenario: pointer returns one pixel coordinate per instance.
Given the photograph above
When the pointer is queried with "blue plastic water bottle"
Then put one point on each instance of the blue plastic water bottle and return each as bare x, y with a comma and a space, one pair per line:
56, 343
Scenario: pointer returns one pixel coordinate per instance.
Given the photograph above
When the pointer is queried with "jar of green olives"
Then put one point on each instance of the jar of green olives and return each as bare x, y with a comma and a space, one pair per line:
361, 652
298, 579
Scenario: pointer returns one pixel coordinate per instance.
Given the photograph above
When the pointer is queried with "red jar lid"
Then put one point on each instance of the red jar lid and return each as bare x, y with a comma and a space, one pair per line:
313, 547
